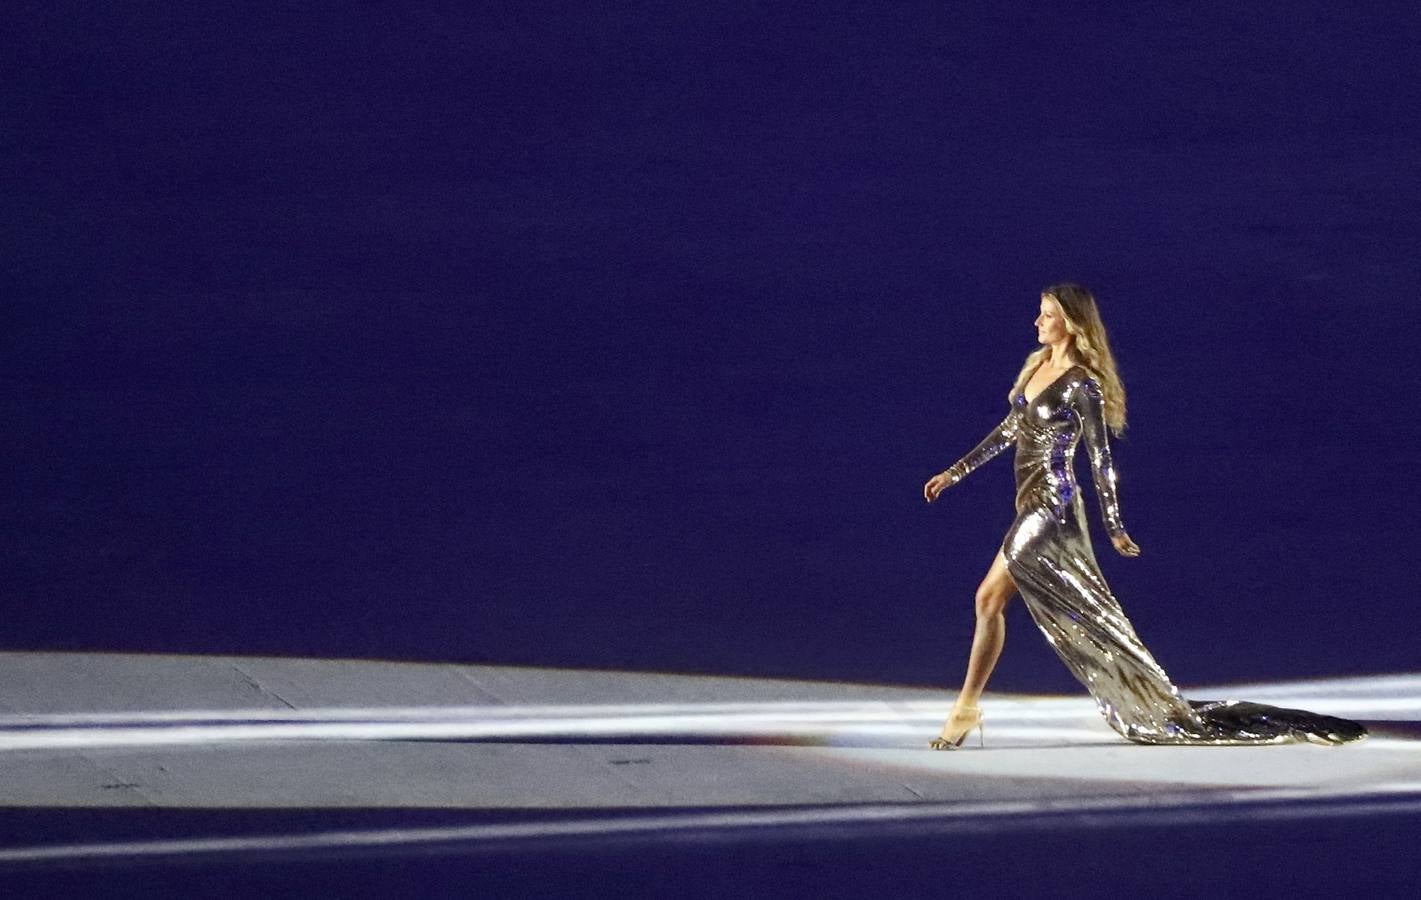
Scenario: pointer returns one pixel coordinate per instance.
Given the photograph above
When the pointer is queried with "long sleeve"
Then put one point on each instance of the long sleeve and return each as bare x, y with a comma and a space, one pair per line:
997, 440
1090, 406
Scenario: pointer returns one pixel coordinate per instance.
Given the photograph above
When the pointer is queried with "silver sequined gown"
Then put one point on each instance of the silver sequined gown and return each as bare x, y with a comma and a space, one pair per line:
1048, 552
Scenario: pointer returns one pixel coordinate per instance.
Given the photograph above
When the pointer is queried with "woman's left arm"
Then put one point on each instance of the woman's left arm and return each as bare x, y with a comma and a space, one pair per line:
1090, 406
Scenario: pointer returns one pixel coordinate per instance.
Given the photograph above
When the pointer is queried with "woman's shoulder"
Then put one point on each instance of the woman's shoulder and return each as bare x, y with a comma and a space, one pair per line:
1084, 380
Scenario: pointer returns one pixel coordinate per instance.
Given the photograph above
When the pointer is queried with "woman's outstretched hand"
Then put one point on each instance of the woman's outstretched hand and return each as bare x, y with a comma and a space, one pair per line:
938, 483
1126, 546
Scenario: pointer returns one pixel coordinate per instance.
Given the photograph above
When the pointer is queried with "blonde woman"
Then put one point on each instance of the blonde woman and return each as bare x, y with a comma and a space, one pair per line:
1068, 389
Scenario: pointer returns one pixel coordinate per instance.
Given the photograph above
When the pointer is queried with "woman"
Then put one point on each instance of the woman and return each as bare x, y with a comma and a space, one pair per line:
1067, 389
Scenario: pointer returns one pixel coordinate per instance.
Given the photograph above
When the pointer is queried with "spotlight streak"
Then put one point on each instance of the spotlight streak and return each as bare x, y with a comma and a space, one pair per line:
840, 822
824, 721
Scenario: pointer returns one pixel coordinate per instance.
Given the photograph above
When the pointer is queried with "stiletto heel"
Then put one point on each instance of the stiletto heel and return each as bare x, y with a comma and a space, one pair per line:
963, 722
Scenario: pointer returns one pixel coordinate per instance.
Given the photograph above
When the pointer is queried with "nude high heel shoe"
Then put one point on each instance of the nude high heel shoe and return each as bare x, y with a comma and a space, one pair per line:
960, 723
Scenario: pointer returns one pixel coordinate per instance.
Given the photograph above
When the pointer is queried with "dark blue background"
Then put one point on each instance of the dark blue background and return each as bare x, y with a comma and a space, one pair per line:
625, 336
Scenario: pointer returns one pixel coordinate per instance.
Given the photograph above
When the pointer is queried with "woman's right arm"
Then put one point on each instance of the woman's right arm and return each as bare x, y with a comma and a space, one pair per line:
997, 440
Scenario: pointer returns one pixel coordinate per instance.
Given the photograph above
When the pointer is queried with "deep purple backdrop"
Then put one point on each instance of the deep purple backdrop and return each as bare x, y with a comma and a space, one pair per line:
626, 337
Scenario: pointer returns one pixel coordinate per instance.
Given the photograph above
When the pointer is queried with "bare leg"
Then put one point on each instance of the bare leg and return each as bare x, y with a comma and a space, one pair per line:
991, 632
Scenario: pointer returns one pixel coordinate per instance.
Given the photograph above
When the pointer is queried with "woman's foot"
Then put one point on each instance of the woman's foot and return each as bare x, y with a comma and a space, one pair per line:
960, 723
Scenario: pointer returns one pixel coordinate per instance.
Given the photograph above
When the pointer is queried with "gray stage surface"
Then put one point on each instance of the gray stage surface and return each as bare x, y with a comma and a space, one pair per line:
589, 753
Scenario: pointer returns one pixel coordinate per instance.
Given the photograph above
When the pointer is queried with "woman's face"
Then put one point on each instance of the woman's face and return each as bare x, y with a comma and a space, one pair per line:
1050, 325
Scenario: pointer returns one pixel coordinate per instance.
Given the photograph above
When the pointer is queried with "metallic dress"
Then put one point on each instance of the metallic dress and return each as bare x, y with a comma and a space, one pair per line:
1048, 552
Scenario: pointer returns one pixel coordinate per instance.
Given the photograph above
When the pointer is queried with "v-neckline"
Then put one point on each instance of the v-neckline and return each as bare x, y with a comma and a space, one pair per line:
1049, 385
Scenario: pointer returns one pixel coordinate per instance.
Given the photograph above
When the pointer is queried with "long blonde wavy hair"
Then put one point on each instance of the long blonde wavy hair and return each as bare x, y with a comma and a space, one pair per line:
1091, 348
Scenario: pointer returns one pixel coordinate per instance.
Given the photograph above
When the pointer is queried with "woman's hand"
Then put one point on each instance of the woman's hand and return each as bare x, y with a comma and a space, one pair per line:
938, 483
1126, 546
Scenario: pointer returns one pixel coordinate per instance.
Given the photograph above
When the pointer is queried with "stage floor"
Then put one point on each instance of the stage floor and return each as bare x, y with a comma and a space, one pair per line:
546, 756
